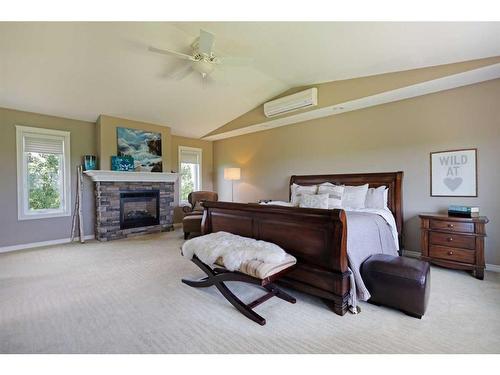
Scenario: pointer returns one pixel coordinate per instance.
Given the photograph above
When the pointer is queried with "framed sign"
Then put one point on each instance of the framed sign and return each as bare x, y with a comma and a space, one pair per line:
454, 173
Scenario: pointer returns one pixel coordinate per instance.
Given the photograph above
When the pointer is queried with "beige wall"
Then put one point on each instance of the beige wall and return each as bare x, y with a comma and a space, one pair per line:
391, 137
14, 232
330, 93
107, 145
206, 164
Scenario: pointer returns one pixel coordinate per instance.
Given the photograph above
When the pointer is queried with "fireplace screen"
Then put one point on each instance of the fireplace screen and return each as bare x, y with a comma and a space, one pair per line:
139, 208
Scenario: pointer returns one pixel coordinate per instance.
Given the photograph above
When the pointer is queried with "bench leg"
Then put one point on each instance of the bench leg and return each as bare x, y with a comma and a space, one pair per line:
279, 293
218, 276
240, 306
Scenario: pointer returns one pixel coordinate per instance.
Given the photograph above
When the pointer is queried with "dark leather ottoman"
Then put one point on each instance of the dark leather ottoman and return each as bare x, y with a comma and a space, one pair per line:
399, 282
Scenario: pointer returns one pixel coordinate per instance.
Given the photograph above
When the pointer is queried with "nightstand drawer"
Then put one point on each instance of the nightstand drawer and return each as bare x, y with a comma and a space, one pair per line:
451, 253
452, 226
451, 239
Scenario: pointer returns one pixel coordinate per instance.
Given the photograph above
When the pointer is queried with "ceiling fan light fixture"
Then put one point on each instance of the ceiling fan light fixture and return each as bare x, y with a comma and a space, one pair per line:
203, 67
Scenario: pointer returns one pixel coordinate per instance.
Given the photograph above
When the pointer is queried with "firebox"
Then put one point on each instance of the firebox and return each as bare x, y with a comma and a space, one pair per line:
139, 208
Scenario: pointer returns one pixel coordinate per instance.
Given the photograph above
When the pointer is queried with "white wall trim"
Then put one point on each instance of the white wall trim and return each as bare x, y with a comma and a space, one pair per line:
492, 267
116, 176
416, 254
200, 168
23, 212
411, 254
32, 245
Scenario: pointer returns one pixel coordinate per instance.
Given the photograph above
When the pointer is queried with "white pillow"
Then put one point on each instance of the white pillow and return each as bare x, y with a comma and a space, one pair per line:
299, 190
354, 196
335, 194
376, 198
314, 201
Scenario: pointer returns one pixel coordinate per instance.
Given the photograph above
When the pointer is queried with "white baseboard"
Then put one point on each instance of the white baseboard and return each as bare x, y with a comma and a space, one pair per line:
411, 254
492, 267
32, 245
416, 254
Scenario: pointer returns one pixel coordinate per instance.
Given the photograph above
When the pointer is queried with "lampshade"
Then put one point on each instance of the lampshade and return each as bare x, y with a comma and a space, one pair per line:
232, 173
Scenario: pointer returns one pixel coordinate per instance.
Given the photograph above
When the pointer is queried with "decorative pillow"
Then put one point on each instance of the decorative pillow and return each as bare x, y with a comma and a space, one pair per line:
334, 194
299, 190
314, 201
375, 198
354, 196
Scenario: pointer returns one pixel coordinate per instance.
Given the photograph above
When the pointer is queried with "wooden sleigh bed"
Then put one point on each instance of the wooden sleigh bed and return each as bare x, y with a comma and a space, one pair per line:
316, 237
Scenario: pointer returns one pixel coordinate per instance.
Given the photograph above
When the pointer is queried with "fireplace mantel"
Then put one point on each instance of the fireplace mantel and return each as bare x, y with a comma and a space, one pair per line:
103, 175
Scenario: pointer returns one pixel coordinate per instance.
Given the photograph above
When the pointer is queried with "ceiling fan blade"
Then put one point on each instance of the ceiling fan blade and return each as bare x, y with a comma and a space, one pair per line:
181, 73
206, 42
236, 61
172, 53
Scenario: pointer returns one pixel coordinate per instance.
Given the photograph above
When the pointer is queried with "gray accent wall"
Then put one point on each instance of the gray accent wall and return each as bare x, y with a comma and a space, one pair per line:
83, 141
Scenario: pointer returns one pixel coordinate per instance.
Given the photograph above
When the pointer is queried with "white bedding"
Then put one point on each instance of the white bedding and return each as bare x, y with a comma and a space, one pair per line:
386, 215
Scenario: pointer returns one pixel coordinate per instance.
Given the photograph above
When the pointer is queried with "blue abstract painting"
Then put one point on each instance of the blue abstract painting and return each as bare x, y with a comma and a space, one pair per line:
143, 146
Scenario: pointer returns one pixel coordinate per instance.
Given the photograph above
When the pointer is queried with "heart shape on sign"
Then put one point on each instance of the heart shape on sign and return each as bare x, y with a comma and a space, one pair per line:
453, 183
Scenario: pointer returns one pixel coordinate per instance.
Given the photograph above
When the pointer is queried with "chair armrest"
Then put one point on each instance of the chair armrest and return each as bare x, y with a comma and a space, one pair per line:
187, 209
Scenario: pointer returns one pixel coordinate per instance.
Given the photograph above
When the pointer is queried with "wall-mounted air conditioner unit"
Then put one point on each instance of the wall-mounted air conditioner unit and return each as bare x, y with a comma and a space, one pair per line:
294, 102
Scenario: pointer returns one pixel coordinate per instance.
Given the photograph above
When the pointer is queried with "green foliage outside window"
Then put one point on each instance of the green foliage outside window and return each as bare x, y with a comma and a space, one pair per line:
187, 183
43, 181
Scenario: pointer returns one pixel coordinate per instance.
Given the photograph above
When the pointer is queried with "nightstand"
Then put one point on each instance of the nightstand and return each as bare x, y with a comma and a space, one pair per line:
454, 242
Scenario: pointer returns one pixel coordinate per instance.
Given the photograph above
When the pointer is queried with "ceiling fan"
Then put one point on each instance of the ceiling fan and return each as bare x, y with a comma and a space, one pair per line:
202, 59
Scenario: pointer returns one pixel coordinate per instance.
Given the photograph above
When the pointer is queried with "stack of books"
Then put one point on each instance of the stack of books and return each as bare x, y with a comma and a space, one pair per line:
463, 211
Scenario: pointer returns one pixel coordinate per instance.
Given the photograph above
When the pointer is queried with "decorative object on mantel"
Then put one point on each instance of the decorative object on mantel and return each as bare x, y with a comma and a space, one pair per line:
454, 173
122, 163
89, 162
77, 213
143, 146
232, 174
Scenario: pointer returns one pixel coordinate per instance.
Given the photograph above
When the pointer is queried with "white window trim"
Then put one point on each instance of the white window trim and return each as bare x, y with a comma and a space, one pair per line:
195, 149
22, 186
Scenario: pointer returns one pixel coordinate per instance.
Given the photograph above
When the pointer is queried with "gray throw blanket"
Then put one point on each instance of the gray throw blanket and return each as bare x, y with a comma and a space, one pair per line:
367, 234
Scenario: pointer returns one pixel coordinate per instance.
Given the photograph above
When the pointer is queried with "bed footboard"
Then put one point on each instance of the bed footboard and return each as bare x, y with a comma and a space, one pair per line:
317, 238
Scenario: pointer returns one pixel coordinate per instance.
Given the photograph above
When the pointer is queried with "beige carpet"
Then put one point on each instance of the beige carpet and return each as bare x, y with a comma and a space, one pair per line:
126, 297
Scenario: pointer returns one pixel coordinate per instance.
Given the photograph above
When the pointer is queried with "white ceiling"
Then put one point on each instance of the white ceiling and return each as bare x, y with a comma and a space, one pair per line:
81, 70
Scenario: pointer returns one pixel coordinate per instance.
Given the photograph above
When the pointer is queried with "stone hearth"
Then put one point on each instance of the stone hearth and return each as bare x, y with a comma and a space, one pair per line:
108, 187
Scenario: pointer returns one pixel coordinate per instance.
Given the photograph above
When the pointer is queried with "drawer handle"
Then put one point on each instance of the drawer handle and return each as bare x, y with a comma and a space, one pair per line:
450, 239
450, 225
450, 252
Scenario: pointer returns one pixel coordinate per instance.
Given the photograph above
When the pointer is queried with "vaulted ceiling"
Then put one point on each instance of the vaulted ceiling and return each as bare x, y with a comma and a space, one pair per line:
81, 70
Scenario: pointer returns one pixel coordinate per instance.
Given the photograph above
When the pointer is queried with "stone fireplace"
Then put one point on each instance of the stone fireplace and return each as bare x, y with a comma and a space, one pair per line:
132, 203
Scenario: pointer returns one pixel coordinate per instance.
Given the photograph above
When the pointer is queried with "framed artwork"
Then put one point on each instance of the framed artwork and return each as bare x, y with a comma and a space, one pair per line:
122, 163
454, 173
143, 146
89, 162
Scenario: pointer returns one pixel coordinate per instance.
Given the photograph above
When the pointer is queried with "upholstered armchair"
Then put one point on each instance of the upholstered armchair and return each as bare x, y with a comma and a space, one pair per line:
193, 212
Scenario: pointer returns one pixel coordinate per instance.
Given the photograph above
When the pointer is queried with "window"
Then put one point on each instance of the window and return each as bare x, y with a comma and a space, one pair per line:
43, 173
190, 171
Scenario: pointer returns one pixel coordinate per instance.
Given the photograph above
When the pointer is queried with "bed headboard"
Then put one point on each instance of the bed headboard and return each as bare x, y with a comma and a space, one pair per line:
393, 180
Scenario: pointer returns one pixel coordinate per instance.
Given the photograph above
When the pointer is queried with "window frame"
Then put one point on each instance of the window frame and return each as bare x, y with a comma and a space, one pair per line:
200, 173
23, 211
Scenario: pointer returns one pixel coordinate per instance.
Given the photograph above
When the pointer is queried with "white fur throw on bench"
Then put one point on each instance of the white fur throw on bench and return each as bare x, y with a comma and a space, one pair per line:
233, 249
